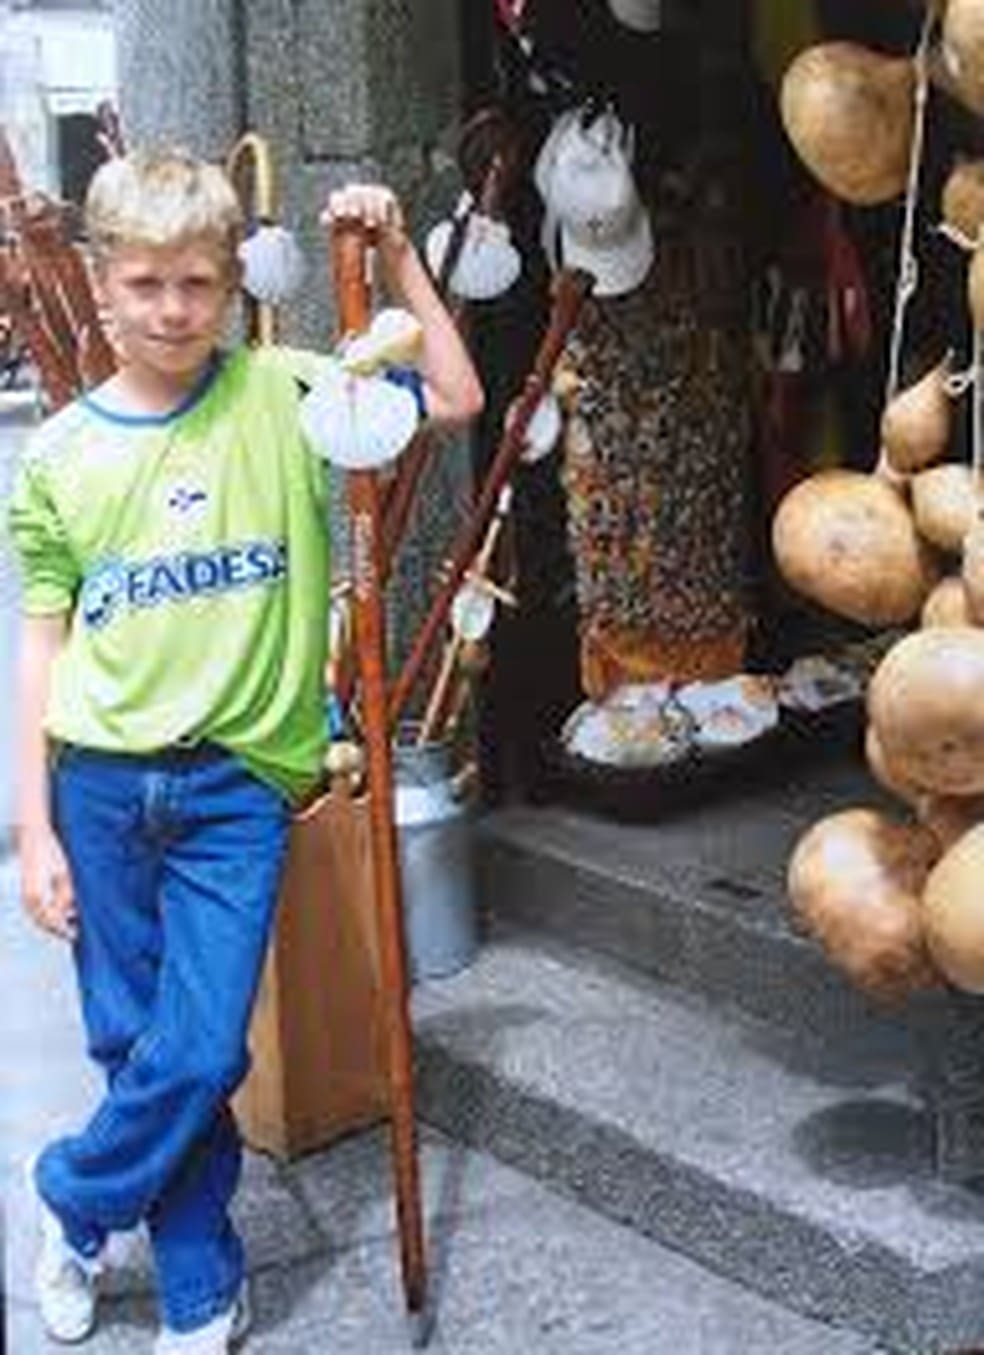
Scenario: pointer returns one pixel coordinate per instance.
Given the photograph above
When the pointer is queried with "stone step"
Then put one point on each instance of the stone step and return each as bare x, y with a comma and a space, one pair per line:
696, 898
802, 1171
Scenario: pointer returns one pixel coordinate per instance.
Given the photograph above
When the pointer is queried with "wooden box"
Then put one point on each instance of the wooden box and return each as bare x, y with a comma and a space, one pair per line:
318, 1034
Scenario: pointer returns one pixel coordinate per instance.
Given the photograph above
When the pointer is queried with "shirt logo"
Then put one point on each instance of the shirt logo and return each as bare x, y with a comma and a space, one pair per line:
183, 498
102, 593
115, 585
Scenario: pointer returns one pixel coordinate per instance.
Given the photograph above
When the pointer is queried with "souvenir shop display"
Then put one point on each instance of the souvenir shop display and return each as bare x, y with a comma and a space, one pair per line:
656, 389
895, 904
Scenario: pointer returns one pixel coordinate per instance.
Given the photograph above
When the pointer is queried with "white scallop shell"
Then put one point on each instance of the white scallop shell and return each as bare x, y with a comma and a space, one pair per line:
488, 264
472, 612
393, 339
273, 265
732, 711
358, 422
543, 430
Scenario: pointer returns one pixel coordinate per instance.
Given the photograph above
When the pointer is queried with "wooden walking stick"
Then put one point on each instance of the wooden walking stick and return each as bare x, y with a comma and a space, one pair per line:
348, 253
261, 317
569, 290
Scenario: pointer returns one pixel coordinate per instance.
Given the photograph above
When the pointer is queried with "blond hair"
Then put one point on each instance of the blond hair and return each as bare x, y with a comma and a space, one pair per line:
160, 198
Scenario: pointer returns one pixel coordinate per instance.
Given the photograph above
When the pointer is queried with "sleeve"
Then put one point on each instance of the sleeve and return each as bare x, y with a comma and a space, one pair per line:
410, 379
49, 571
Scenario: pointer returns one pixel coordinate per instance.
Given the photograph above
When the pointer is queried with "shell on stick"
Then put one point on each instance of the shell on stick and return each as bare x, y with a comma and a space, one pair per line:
849, 112
488, 264
915, 426
952, 916
273, 265
848, 541
358, 422
926, 703
855, 880
943, 504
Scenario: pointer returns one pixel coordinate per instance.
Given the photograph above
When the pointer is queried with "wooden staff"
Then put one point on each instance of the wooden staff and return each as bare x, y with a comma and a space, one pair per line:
569, 291
348, 253
403, 490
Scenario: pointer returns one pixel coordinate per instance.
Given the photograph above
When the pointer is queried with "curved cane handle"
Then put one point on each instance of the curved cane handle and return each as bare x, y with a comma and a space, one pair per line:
264, 184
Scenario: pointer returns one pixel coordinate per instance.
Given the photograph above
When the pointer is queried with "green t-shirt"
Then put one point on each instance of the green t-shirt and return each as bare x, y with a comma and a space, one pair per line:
191, 550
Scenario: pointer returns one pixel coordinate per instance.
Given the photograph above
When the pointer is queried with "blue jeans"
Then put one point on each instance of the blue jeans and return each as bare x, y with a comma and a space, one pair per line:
176, 862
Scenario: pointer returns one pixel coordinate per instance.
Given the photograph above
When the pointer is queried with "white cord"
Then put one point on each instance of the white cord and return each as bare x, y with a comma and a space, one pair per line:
908, 276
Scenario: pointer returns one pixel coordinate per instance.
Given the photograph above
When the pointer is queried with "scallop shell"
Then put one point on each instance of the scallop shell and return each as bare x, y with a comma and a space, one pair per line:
489, 263
733, 711
358, 422
814, 682
472, 612
543, 430
393, 339
273, 265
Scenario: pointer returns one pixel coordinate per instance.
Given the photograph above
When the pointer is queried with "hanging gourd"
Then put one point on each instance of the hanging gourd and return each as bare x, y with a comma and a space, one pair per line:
915, 427
855, 881
972, 573
963, 49
849, 113
952, 916
962, 203
847, 540
943, 504
947, 605
926, 703
949, 817
884, 773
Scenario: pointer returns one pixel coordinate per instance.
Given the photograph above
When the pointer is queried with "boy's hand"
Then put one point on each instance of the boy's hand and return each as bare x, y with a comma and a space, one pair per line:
375, 206
46, 884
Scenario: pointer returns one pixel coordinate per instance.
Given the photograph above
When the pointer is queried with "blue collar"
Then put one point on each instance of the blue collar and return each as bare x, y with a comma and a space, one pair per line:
197, 392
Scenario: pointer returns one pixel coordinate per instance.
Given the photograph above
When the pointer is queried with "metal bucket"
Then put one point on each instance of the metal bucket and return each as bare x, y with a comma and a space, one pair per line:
436, 842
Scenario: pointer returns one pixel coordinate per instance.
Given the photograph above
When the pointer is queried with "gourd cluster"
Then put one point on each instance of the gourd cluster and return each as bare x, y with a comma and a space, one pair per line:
898, 903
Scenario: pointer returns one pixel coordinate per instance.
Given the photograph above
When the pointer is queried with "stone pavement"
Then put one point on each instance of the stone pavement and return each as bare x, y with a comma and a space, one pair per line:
516, 1270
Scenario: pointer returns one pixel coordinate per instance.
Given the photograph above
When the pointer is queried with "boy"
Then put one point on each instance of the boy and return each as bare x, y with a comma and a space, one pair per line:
172, 531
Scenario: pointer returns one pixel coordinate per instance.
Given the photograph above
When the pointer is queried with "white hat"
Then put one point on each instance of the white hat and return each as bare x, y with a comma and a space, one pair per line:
645, 16
584, 176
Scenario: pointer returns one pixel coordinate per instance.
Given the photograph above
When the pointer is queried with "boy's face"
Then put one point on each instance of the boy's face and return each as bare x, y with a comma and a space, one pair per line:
167, 305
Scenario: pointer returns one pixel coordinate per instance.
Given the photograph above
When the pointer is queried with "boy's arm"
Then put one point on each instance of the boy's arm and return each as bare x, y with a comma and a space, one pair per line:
453, 391
46, 885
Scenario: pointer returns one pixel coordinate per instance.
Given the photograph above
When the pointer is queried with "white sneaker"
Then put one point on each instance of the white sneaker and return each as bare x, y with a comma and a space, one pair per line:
215, 1338
64, 1281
